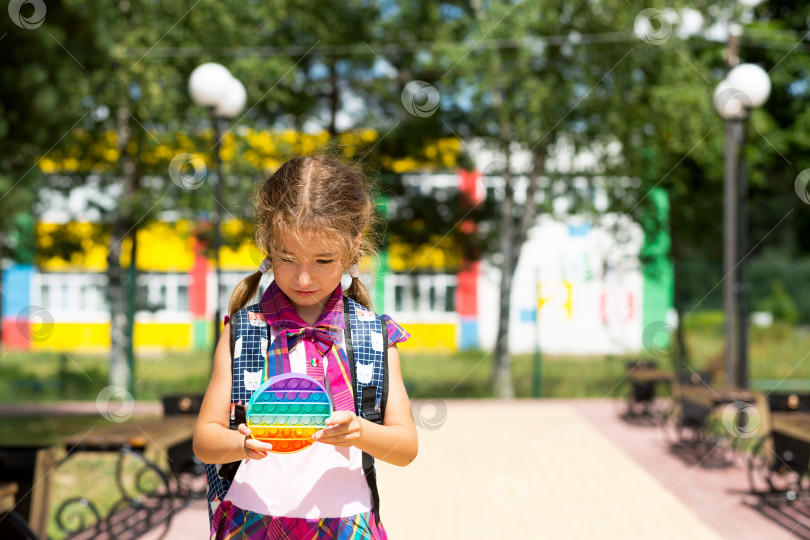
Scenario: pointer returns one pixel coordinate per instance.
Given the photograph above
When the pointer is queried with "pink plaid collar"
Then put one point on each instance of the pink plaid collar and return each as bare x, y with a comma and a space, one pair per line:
318, 343
279, 311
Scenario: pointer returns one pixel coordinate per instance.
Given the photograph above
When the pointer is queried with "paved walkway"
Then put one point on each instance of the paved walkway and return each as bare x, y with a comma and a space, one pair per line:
550, 469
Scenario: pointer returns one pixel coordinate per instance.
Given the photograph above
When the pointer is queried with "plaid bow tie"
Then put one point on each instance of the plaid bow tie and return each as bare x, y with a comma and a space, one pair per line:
318, 343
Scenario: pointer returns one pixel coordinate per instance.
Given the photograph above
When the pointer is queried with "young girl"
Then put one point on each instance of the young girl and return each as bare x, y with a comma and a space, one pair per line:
313, 217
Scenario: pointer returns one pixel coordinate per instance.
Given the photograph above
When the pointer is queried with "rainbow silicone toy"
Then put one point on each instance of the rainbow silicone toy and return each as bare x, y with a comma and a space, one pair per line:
286, 410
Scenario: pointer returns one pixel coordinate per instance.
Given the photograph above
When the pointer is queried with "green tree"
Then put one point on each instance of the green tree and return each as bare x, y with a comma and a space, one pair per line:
37, 108
130, 79
534, 79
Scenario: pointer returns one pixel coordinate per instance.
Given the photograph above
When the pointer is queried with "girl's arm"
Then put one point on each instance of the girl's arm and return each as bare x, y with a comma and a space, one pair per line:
214, 441
394, 441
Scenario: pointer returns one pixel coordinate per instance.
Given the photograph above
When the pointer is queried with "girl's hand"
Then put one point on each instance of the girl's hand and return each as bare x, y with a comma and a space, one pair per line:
343, 428
254, 448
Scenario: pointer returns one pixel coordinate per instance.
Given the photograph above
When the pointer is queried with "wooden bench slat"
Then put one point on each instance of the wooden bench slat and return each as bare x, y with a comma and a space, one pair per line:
139, 434
8, 488
711, 397
47, 458
7, 492
792, 424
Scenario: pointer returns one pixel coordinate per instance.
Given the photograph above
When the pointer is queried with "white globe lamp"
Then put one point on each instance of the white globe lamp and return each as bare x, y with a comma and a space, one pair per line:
209, 83
730, 102
753, 80
233, 101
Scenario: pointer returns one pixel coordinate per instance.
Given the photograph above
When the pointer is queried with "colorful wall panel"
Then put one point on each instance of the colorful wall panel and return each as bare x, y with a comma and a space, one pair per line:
431, 336
17, 305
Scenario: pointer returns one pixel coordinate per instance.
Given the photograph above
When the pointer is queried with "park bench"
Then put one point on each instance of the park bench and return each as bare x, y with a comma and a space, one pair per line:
23, 473
8, 512
643, 398
685, 419
778, 464
710, 421
155, 473
164, 476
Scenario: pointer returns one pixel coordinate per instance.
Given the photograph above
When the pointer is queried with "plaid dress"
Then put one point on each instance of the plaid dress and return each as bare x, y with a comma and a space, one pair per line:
231, 522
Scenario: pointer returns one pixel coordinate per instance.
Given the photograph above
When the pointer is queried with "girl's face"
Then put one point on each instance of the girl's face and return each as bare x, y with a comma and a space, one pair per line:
308, 272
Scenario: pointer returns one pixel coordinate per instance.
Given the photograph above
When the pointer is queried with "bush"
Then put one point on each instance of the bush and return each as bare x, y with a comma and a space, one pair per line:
780, 304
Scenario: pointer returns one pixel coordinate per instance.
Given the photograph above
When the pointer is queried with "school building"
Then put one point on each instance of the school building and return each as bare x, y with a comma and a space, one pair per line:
578, 288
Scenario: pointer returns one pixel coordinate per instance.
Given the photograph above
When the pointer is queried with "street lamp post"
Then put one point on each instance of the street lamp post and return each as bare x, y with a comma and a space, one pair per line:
212, 86
746, 87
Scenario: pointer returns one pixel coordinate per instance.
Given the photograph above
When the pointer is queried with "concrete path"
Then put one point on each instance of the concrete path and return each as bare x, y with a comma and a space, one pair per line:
528, 469
717, 494
547, 469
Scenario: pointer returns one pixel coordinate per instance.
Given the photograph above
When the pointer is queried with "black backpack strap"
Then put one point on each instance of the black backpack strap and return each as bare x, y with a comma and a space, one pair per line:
367, 407
239, 410
234, 320
227, 471
371, 478
384, 397
371, 413
347, 344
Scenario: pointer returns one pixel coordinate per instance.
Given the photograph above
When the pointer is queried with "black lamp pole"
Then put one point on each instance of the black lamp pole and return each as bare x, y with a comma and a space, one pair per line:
217, 240
742, 243
731, 223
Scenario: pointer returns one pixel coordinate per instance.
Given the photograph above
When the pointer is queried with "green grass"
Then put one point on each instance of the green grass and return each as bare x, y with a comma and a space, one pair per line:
92, 475
45, 430
45, 377
774, 353
467, 375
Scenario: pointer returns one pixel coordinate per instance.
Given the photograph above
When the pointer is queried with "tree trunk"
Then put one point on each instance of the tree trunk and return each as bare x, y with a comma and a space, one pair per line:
511, 239
131, 292
334, 96
116, 297
120, 373
502, 382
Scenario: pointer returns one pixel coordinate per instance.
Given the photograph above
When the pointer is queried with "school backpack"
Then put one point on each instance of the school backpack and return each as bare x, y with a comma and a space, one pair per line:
250, 338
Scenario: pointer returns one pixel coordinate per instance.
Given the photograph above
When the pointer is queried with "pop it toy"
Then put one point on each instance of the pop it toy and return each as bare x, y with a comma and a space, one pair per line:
286, 410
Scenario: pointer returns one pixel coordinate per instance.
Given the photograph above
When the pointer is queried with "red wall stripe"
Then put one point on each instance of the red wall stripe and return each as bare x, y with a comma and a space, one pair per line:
467, 292
199, 273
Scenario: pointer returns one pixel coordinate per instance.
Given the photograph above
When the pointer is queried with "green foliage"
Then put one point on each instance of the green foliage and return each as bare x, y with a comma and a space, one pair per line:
499, 78
780, 304
790, 275
551, 77
704, 320
701, 291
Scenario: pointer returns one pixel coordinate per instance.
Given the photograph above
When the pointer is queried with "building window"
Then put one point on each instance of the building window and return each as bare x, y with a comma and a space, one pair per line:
84, 298
182, 298
45, 295
161, 296
70, 295
142, 297
419, 294
399, 294
450, 299
64, 297
157, 292
415, 297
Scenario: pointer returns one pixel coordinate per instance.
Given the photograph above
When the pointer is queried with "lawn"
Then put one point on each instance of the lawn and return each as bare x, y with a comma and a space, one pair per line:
775, 353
